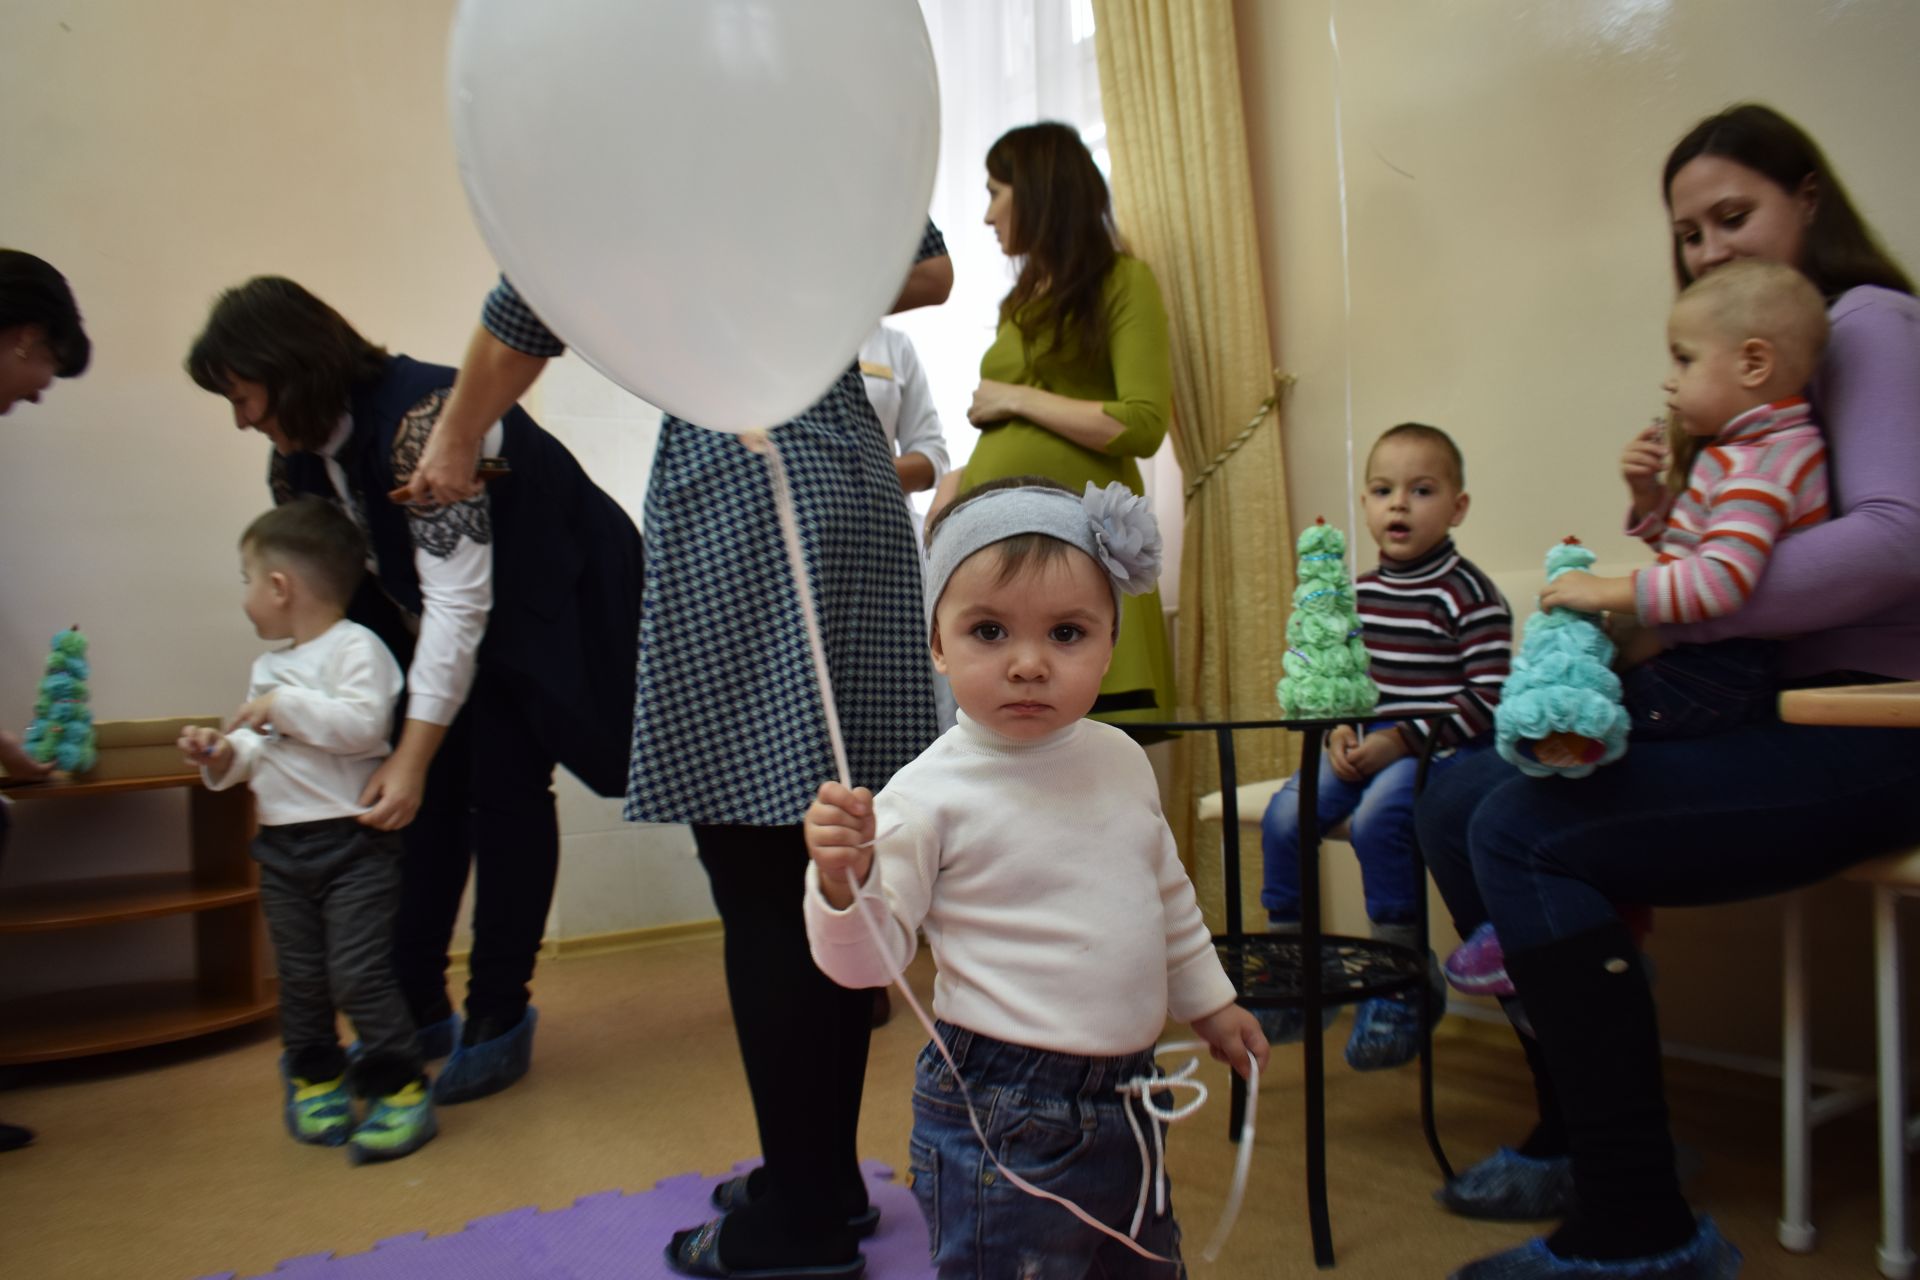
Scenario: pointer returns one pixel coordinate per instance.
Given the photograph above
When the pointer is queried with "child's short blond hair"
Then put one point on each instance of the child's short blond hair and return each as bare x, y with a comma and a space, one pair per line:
1433, 436
1768, 300
318, 539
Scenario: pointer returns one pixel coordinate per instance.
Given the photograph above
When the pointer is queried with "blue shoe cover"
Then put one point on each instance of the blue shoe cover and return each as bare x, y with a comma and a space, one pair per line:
1510, 1187
477, 1070
1708, 1256
1386, 1033
437, 1039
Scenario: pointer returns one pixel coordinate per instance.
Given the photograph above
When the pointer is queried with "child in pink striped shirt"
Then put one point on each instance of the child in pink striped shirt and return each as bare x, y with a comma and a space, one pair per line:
1748, 467
1745, 466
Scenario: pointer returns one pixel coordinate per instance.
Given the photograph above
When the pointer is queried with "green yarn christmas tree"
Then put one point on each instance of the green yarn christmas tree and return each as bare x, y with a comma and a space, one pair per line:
62, 729
1326, 663
1560, 710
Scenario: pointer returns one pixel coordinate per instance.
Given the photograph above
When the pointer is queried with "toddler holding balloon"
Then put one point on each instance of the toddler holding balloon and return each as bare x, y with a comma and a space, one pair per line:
1029, 844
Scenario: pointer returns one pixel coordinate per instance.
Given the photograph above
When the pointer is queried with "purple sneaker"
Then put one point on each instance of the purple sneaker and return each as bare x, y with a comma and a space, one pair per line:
1478, 966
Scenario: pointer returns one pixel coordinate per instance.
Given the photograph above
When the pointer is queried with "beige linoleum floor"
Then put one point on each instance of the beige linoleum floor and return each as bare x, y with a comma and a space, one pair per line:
172, 1163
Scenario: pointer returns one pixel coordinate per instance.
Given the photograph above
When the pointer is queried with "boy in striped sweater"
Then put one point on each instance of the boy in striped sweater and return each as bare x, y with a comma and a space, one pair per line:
1439, 635
1748, 467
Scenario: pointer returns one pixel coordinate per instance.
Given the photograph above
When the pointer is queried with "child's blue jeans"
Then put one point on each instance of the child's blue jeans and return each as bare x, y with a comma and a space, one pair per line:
1380, 811
1057, 1120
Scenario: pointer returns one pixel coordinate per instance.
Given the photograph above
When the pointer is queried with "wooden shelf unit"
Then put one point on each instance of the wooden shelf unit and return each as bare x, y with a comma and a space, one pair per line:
220, 891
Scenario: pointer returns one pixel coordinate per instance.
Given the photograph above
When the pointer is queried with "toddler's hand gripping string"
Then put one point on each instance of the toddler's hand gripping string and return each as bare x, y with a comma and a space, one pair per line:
1135, 1091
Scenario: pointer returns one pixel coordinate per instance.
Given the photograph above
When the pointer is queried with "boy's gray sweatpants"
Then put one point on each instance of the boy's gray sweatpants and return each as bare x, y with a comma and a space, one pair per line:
329, 890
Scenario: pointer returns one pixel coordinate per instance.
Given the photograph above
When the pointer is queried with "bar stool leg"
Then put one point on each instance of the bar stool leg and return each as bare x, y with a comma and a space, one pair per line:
1797, 1234
1896, 1255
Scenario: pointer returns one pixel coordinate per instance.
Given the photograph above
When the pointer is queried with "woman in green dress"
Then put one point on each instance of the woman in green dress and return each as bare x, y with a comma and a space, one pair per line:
1078, 383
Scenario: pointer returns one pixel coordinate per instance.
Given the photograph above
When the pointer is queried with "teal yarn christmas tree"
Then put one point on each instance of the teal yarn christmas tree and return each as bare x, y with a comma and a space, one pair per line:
62, 729
1326, 663
1560, 711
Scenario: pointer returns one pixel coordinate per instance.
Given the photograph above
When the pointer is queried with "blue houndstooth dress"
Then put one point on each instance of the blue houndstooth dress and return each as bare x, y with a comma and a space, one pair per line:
728, 726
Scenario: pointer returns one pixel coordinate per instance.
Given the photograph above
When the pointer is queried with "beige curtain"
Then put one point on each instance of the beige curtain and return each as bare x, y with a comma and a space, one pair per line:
1170, 91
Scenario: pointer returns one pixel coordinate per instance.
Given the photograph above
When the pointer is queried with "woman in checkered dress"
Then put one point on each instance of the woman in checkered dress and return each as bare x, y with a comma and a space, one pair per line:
729, 737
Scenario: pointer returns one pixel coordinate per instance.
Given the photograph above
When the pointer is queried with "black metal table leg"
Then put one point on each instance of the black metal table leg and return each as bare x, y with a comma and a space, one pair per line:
1319, 1223
1263, 960
1423, 946
1230, 863
1312, 981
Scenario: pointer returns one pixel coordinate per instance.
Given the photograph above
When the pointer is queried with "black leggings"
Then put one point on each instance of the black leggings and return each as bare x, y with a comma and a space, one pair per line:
803, 1037
488, 808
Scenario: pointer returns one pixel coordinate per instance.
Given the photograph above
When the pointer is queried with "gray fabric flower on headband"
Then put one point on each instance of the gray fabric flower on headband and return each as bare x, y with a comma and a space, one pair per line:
1125, 536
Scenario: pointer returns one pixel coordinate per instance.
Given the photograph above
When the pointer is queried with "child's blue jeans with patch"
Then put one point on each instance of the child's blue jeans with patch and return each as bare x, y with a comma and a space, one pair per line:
1057, 1120
1379, 810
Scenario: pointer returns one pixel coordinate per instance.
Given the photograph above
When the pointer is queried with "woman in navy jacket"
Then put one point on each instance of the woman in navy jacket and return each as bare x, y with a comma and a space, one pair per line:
515, 613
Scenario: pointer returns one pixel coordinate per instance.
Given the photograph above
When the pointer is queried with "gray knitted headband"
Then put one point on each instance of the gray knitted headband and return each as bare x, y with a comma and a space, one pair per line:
1112, 525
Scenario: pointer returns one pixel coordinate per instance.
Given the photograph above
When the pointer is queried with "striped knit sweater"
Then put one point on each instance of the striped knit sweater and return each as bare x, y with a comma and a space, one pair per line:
1439, 634
1763, 477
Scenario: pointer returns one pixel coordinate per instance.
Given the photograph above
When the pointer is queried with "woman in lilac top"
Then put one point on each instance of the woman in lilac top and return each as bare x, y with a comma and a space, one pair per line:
1750, 812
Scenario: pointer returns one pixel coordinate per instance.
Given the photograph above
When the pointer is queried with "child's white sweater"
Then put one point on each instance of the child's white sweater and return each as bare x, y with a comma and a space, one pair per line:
1049, 888
333, 701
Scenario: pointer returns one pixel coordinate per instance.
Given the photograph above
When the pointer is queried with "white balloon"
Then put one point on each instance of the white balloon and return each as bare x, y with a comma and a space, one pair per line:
712, 201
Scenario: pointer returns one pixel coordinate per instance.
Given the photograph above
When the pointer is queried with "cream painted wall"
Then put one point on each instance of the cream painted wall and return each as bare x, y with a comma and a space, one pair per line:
1510, 280
1508, 245
159, 153
156, 154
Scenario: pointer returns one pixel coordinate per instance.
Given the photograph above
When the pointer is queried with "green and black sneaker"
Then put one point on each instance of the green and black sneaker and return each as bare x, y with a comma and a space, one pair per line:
398, 1125
319, 1111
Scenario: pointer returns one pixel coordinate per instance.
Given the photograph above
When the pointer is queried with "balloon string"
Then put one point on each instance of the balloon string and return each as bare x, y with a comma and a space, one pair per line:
1134, 1090
1242, 1164
1346, 266
803, 587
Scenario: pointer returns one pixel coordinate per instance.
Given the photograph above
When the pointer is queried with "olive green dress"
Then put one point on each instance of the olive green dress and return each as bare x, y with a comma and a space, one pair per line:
1133, 381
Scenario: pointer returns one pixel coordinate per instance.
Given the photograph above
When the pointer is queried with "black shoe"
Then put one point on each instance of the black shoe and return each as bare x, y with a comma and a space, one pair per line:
735, 1192
698, 1252
13, 1137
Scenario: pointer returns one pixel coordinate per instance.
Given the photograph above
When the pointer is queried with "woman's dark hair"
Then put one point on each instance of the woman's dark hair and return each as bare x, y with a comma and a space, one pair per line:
1063, 235
1841, 252
273, 332
32, 292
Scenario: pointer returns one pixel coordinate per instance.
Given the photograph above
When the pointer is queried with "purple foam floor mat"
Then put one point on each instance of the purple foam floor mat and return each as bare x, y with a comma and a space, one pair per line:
614, 1235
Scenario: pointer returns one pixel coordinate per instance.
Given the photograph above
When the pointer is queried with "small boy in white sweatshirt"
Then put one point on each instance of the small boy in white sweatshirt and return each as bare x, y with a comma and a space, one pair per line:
315, 726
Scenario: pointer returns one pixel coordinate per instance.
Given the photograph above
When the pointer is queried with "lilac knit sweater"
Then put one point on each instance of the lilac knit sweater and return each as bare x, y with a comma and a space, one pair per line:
1849, 590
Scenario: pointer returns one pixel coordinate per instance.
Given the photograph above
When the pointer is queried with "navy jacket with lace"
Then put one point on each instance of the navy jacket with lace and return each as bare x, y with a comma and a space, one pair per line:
566, 572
